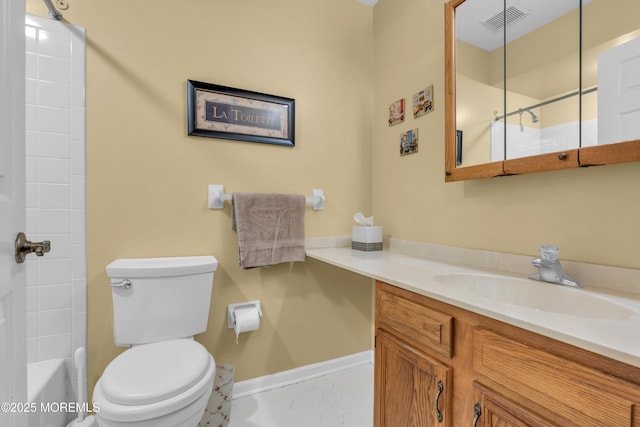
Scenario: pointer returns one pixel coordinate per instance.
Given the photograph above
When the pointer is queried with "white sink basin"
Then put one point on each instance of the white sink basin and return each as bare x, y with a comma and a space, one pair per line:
534, 295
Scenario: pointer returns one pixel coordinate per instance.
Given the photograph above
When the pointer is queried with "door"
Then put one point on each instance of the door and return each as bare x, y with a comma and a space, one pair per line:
619, 93
411, 389
13, 354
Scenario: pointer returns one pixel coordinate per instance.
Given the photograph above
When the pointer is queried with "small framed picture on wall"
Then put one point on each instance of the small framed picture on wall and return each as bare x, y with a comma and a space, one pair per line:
409, 142
396, 112
423, 102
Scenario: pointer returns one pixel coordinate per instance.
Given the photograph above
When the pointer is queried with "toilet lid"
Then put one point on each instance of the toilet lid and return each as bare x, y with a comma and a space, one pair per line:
153, 372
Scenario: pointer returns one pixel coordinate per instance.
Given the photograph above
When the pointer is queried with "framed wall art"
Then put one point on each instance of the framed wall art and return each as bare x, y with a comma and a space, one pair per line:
216, 111
396, 112
423, 102
409, 142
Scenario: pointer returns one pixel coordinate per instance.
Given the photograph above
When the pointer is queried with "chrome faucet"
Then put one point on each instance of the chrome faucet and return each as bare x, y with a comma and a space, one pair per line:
549, 268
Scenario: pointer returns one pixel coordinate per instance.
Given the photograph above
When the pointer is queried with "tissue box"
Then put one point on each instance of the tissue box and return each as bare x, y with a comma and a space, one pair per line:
366, 238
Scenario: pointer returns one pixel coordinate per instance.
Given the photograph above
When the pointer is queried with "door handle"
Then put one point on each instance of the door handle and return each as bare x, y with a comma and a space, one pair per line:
25, 247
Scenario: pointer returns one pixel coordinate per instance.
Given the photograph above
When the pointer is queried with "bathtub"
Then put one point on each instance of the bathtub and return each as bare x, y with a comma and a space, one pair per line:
47, 384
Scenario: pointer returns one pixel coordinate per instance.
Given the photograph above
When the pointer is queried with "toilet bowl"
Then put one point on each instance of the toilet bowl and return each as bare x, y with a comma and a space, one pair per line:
163, 384
165, 378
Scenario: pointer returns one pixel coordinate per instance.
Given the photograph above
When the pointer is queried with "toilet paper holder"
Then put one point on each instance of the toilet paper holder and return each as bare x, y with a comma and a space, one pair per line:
231, 308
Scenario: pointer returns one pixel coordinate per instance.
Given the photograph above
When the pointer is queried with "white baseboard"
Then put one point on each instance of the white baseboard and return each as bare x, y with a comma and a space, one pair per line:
294, 376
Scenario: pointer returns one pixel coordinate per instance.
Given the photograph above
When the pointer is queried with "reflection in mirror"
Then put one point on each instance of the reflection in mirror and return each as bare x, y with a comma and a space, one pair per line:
542, 73
479, 81
543, 77
611, 62
560, 90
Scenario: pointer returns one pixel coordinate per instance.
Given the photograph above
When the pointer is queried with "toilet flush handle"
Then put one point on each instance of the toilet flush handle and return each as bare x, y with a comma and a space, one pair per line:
125, 284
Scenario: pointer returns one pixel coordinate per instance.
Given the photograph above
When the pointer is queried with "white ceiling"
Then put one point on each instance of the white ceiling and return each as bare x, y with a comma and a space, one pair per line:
369, 2
470, 14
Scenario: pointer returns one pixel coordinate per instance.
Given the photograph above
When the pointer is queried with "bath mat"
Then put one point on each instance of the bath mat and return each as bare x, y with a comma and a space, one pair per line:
218, 410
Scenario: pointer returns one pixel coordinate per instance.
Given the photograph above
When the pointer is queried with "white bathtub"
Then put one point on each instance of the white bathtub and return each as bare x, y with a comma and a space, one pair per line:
46, 384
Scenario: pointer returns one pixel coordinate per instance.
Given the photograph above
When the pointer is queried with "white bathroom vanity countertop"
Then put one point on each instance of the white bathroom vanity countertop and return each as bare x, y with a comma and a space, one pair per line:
605, 321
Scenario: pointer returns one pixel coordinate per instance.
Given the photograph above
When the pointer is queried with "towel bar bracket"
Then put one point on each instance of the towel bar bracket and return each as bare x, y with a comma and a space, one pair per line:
216, 197
317, 199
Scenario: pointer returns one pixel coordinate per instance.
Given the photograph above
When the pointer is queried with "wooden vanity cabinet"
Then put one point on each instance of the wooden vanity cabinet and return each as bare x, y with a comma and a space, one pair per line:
412, 386
412, 375
492, 374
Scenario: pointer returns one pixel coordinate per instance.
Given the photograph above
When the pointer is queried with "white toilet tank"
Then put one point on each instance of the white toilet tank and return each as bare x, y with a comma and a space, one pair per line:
168, 298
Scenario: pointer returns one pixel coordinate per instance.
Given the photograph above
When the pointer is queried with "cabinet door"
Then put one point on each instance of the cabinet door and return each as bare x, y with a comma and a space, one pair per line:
411, 389
564, 391
494, 410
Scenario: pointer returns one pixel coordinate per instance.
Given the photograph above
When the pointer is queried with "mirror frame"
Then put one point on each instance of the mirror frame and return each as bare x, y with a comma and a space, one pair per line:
597, 155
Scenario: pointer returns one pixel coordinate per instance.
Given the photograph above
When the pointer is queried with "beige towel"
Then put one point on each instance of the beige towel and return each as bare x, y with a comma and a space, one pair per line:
270, 228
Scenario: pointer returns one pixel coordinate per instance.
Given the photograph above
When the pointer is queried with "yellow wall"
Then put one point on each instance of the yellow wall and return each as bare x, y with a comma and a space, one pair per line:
147, 180
591, 213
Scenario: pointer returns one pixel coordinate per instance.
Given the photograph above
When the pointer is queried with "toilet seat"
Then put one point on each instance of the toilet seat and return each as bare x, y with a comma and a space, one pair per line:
154, 372
153, 380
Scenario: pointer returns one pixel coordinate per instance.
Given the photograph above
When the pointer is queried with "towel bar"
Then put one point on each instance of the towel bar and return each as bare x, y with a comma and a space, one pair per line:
217, 198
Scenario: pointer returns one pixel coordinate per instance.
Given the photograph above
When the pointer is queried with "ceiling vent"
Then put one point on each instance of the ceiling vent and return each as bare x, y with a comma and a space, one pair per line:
513, 14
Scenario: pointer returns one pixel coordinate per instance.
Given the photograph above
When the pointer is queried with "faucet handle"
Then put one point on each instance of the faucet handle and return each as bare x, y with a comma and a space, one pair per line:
549, 252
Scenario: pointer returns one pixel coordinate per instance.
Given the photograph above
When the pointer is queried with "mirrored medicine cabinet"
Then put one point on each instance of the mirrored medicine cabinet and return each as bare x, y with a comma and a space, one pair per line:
539, 85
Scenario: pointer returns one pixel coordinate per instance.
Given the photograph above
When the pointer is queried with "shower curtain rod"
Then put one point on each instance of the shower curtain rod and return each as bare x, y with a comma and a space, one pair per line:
53, 12
550, 101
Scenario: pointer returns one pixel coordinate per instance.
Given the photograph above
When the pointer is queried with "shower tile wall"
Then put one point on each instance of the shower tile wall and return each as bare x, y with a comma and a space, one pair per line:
55, 156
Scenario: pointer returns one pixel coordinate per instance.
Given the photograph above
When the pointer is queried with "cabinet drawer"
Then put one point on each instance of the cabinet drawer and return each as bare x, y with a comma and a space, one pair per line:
566, 391
420, 326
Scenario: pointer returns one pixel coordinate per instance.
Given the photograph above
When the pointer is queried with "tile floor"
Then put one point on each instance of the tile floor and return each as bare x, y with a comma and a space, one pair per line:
340, 399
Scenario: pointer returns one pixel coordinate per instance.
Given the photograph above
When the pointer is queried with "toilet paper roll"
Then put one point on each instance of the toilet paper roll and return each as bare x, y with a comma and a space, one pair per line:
247, 319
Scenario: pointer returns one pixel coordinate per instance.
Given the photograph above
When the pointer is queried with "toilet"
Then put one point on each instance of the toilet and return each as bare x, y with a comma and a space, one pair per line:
165, 378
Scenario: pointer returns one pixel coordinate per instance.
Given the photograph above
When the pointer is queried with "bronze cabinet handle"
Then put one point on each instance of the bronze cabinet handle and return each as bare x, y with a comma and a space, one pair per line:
477, 411
435, 404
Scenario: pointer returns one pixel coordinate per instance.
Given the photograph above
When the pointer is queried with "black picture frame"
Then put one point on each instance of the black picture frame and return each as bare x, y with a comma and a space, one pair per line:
216, 111
458, 147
